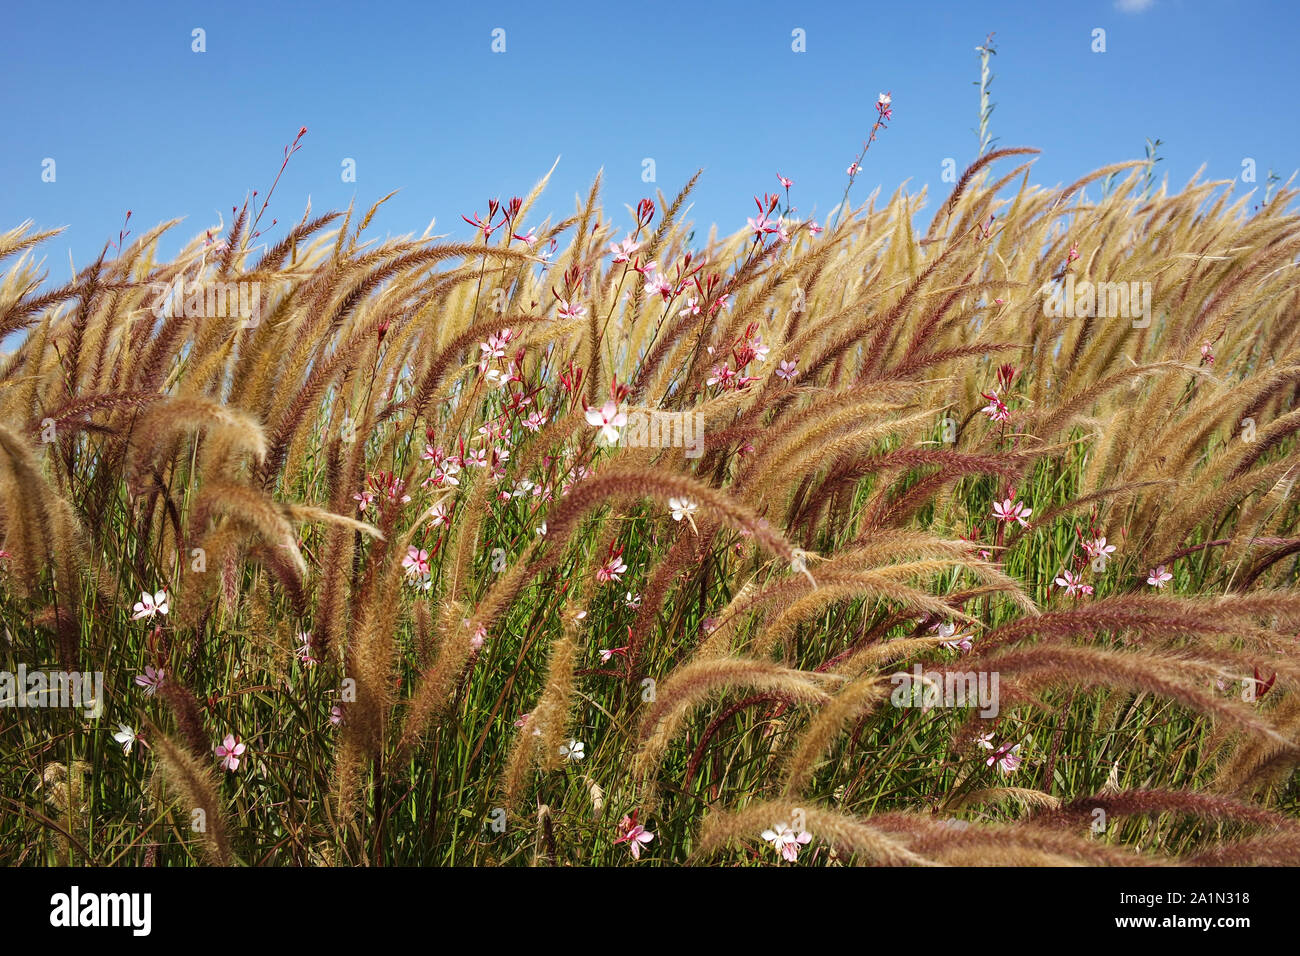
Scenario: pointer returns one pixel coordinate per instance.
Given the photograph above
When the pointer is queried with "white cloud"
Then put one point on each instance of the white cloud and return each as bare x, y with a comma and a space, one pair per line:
1134, 6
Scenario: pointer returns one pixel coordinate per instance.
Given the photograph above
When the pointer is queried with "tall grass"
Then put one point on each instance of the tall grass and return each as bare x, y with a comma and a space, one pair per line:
444, 631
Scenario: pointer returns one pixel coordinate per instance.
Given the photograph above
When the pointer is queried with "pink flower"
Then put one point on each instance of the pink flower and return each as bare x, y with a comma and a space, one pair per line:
658, 285
493, 348
1006, 511
787, 183
612, 569
853, 168
995, 409
623, 250
416, 562
786, 841
230, 750
608, 419
567, 311
1207, 354
150, 680
633, 834
336, 715
954, 641
761, 226
384, 484
787, 371
1007, 758
1070, 581
304, 648
1095, 549
1159, 577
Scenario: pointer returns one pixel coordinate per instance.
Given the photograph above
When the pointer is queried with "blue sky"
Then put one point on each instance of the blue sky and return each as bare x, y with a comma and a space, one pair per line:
413, 92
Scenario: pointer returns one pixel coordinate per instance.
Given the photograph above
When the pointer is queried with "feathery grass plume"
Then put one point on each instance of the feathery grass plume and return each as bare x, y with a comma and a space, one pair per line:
307, 513
65, 791
1203, 806
1026, 669
1018, 844
232, 428
1145, 615
437, 683
41, 527
550, 717
186, 709
1256, 764
678, 695
848, 835
880, 584
1272, 849
1023, 797
195, 790
597, 489
254, 511
537, 745
828, 722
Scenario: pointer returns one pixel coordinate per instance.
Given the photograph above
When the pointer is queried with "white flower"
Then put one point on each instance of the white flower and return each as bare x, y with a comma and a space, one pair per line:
786, 841
681, 508
952, 640
1098, 548
150, 604
608, 419
572, 750
125, 736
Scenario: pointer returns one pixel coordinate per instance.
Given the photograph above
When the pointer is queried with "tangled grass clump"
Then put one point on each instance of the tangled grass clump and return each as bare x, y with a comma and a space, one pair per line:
402, 600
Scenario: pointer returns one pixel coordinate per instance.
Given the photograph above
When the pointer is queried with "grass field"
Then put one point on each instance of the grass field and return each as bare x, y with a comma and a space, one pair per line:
519, 550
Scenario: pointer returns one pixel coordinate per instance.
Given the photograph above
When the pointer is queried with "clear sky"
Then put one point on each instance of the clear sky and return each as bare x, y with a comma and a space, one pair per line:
413, 92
